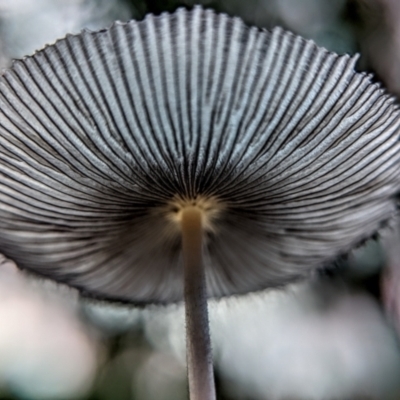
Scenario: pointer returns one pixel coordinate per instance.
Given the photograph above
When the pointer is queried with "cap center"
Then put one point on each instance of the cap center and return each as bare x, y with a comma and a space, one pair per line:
209, 208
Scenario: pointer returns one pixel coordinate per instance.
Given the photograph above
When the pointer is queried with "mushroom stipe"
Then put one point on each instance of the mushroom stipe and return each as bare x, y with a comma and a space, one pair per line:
199, 355
189, 156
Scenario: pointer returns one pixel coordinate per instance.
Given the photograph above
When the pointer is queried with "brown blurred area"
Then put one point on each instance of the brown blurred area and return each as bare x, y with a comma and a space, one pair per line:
378, 33
326, 339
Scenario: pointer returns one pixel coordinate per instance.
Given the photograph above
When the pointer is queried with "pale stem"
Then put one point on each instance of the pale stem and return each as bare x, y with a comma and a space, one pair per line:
198, 343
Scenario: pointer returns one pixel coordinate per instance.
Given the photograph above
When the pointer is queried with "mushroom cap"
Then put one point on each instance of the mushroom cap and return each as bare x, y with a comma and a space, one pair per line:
104, 135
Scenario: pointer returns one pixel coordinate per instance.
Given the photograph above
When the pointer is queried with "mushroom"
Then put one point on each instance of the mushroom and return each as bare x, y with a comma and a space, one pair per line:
189, 156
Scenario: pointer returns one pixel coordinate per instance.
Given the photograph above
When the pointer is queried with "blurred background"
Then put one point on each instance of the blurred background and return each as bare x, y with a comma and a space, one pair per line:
334, 337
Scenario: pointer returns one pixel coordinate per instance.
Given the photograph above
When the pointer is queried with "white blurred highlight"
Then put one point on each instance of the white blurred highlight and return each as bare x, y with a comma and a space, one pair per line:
304, 345
311, 342
111, 319
45, 353
28, 25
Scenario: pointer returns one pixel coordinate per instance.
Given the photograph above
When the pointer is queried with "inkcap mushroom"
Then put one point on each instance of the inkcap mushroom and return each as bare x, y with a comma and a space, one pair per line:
189, 156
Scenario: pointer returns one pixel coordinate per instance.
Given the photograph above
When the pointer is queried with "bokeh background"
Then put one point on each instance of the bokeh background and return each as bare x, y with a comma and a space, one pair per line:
334, 337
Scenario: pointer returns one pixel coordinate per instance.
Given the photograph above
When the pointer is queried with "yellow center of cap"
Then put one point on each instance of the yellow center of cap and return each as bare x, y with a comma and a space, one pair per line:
209, 207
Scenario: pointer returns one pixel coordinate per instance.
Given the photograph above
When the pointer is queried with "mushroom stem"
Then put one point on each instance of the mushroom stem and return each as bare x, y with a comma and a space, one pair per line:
198, 343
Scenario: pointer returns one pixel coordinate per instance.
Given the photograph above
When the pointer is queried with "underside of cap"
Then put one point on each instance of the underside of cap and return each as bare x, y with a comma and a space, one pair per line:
103, 135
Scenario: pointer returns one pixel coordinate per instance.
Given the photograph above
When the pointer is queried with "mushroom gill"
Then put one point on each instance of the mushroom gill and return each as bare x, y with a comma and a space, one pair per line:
106, 136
